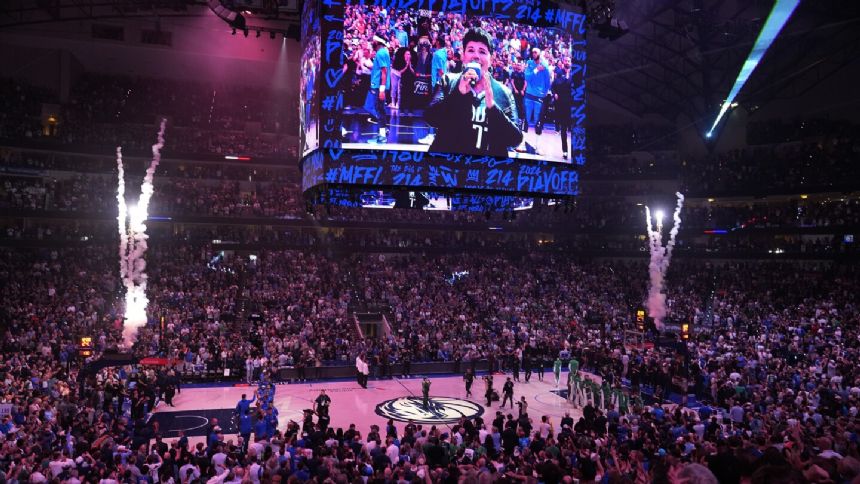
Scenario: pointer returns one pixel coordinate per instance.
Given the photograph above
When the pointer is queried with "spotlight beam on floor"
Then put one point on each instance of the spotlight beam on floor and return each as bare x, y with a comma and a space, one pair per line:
777, 19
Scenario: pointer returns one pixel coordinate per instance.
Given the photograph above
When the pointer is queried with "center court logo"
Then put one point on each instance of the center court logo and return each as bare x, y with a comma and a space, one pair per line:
439, 410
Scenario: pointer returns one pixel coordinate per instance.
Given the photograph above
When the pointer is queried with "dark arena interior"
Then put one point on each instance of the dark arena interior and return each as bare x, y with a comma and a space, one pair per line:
268, 241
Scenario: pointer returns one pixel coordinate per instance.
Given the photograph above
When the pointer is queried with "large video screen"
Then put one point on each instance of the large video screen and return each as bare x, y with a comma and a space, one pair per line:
309, 94
458, 82
445, 94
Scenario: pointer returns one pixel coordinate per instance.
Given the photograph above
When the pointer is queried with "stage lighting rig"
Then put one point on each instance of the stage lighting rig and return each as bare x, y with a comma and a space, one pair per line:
602, 17
259, 17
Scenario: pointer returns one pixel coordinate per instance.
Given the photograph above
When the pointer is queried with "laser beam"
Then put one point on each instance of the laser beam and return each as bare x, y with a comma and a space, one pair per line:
779, 15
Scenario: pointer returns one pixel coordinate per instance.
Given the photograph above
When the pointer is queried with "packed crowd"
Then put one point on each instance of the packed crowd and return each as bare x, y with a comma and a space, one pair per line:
405, 28
824, 165
770, 360
97, 194
138, 139
98, 98
435, 44
106, 111
781, 131
231, 191
21, 108
770, 357
305, 236
608, 140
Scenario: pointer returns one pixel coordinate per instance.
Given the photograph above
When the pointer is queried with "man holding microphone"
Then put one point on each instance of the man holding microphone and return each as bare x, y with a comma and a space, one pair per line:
472, 112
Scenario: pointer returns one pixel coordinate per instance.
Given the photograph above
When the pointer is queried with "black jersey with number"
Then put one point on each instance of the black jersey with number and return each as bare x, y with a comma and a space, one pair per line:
465, 125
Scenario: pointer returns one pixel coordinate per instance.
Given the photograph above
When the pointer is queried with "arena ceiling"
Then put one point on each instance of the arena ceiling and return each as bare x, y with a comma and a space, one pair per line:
682, 56
679, 57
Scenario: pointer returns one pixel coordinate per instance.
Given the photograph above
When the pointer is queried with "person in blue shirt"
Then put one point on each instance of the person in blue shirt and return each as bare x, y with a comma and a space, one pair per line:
213, 437
271, 423
380, 82
537, 85
401, 35
244, 405
439, 66
245, 428
183, 440
260, 428
705, 412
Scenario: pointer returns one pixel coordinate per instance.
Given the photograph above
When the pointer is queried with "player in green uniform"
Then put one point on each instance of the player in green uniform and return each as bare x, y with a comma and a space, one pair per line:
595, 394
623, 402
577, 389
573, 365
607, 393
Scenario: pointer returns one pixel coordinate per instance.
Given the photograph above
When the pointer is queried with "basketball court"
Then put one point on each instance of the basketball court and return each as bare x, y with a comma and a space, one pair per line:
397, 398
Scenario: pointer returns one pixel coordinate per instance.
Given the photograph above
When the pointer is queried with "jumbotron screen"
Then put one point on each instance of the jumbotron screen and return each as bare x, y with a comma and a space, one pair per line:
494, 83
310, 80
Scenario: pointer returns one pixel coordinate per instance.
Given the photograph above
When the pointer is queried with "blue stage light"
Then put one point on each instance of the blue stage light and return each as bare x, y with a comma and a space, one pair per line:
778, 17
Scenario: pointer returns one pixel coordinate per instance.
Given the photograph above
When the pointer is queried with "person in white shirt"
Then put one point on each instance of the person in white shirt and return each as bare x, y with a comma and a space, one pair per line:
73, 478
154, 463
362, 369
393, 452
737, 414
699, 429
110, 479
483, 433
255, 471
59, 464
370, 445
189, 472
545, 427
257, 448
218, 479
219, 461
38, 478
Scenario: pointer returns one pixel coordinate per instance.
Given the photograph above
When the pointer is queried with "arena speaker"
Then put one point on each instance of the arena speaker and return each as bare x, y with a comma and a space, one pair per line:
234, 19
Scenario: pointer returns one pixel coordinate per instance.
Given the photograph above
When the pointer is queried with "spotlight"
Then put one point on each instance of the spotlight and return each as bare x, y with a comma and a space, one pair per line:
779, 15
659, 214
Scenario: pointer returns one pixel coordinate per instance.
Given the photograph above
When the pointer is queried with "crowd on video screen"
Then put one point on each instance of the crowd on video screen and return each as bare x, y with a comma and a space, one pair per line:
415, 62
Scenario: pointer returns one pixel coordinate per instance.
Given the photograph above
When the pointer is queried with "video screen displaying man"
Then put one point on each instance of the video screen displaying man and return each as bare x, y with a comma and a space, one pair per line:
503, 105
471, 111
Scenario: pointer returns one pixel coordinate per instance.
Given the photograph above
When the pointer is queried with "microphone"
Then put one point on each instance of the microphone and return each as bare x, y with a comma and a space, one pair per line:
475, 67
